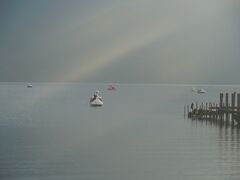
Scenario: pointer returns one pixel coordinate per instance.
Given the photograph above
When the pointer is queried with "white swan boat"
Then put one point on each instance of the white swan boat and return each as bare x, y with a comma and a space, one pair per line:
96, 100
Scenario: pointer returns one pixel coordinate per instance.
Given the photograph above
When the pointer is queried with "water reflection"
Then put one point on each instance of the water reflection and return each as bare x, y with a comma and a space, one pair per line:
229, 154
228, 141
215, 123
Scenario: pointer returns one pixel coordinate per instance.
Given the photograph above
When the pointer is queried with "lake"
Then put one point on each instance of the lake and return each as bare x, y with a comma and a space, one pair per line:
49, 132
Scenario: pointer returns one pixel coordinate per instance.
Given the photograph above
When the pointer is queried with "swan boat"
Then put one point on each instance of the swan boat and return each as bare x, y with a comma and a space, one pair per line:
96, 100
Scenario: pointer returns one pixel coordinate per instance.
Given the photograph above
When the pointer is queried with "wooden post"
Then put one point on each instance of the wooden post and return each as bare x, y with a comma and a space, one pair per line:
221, 100
238, 102
226, 100
233, 105
233, 100
216, 114
226, 108
220, 107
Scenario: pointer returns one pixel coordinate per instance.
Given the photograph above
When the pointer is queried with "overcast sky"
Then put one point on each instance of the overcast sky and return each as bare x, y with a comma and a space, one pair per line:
121, 41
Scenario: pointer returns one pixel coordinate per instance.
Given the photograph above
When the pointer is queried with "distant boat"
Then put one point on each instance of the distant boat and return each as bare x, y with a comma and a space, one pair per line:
29, 85
96, 100
201, 91
111, 88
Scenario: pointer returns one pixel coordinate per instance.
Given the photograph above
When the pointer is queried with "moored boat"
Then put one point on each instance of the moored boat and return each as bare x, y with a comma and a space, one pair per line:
29, 85
201, 91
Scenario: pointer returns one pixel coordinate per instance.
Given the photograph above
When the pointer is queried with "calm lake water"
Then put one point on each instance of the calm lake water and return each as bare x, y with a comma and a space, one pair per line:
49, 132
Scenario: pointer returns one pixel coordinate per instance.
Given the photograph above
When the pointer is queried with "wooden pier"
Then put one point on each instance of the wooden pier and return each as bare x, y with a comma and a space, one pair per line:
222, 112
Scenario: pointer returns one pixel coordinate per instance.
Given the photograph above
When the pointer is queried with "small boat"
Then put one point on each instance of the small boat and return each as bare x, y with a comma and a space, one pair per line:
96, 100
111, 88
29, 85
201, 91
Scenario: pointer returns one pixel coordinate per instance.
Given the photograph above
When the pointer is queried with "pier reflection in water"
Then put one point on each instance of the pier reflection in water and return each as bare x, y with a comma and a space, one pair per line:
228, 141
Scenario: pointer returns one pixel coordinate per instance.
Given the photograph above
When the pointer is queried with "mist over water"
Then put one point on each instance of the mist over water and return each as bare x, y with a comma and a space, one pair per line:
139, 133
